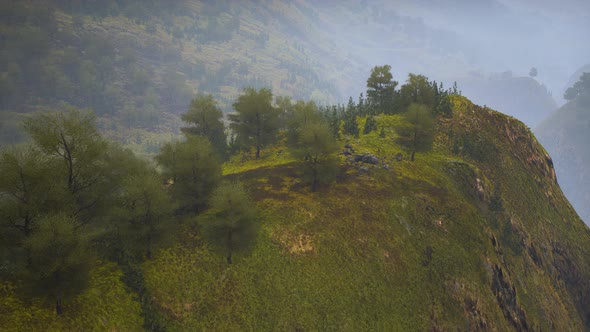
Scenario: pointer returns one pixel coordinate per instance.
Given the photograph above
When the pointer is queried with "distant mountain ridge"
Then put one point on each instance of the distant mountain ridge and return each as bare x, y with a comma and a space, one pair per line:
521, 97
155, 57
565, 134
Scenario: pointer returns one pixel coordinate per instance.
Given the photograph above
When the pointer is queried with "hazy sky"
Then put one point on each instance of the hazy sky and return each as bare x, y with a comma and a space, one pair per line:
490, 36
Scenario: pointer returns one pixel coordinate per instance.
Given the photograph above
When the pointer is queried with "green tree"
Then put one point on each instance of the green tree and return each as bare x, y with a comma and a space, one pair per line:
331, 115
60, 259
362, 106
317, 148
205, 119
193, 169
350, 123
418, 90
49, 191
76, 150
145, 210
370, 124
256, 121
444, 106
581, 89
26, 189
285, 109
417, 133
303, 113
381, 89
232, 224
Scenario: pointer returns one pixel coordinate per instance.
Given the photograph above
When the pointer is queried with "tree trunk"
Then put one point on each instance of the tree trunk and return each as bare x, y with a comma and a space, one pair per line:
315, 182
69, 162
229, 247
58, 308
258, 134
414, 145
148, 253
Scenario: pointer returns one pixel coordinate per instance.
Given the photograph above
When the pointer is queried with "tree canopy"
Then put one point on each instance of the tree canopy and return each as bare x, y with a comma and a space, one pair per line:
256, 121
144, 212
78, 153
417, 133
381, 89
316, 147
193, 169
418, 89
232, 224
204, 118
60, 258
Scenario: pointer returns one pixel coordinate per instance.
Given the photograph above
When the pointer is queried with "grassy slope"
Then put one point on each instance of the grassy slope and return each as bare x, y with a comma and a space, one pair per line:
458, 239
356, 254
107, 304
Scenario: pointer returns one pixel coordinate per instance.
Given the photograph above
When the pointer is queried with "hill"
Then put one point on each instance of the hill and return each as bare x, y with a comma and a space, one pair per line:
474, 235
138, 64
576, 77
565, 134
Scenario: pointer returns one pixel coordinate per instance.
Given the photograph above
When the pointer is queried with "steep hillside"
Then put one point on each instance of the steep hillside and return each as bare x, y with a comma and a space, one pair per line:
565, 134
138, 64
475, 235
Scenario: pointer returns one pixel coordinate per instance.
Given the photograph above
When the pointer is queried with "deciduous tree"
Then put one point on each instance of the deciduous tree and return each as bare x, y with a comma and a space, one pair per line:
76, 150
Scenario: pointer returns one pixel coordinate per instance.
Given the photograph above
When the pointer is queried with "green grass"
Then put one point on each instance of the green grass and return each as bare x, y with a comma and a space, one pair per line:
412, 247
107, 305
354, 256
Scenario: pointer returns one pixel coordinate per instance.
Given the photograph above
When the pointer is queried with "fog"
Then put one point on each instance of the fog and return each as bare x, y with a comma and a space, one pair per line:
463, 40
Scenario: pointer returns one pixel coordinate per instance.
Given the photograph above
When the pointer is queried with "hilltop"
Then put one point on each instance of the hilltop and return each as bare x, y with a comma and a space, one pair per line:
475, 235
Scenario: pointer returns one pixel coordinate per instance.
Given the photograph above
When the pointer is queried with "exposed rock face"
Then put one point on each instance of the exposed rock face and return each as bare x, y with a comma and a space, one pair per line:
511, 173
505, 293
